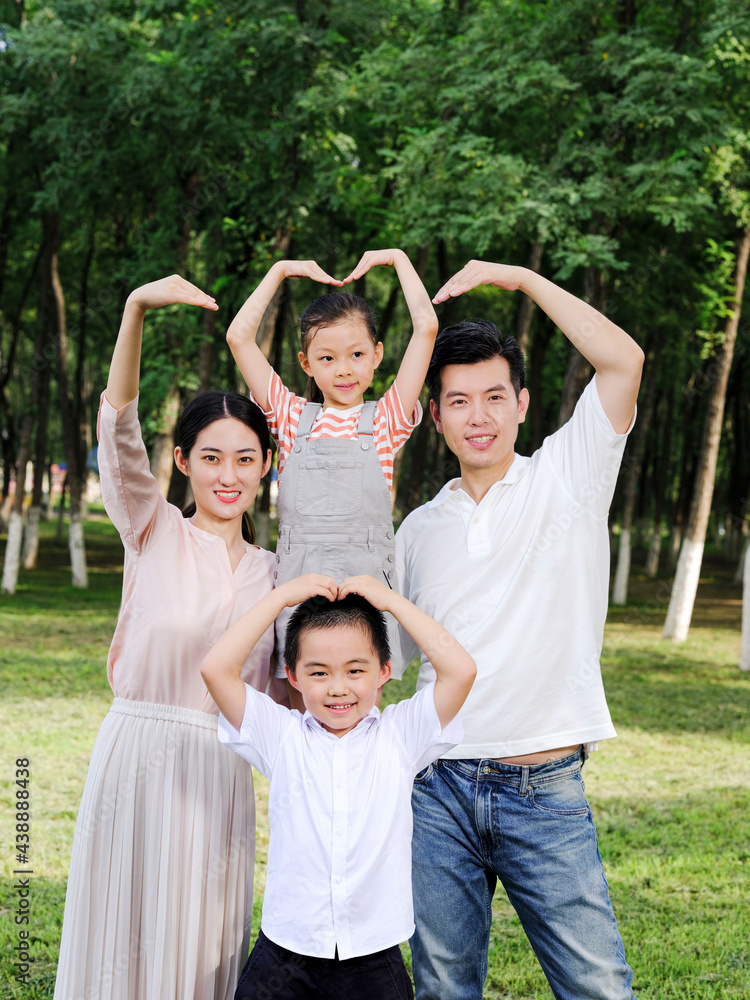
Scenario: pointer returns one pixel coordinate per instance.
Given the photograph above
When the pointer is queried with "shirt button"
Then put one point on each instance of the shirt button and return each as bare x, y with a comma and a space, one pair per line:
476, 520
339, 833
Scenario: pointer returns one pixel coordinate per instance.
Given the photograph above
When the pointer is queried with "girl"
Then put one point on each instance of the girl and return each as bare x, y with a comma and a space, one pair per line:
336, 452
160, 890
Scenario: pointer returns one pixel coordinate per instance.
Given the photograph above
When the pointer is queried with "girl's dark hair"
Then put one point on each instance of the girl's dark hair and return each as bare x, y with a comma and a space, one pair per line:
212, 406
469, 342
320, 613
335, 307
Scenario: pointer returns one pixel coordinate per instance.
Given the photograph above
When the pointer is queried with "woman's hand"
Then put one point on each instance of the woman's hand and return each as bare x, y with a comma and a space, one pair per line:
480, 272
168, 291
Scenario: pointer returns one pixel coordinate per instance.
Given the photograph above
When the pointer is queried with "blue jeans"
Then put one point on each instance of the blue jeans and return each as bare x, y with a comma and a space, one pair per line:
479, 820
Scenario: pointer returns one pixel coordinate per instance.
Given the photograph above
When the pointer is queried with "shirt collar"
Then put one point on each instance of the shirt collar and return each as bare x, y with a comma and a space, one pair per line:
371, 719
515, 473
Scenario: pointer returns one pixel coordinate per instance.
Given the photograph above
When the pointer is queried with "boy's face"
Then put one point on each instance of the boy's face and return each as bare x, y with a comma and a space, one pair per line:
338, 675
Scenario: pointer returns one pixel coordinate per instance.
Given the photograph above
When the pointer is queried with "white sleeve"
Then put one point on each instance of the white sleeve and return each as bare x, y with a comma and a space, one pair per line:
408, 648
416, 720
586, 453
264, 725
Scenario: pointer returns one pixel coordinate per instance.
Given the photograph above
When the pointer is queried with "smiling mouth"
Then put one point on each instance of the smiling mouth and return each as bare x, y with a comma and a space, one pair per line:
347, 385
340, 708
227, 496
481, 438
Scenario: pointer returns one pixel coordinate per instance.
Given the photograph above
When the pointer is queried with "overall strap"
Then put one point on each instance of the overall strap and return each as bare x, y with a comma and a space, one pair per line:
307, 418
365, 425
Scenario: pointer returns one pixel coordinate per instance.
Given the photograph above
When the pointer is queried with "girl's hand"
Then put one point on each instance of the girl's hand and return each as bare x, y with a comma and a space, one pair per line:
374, 258
378, 594
306, 269
312, 585
480, 272
168, 291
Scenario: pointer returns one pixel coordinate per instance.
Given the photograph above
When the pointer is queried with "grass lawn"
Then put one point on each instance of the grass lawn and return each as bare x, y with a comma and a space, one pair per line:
671, 795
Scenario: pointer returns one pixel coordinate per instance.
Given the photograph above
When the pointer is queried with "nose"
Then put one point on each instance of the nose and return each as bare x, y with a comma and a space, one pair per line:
227, 474
477, 415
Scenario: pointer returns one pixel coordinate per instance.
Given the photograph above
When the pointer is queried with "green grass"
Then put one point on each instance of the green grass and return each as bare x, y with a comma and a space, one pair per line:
671, 795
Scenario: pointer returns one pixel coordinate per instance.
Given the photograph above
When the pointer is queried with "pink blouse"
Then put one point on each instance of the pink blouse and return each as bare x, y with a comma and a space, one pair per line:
179, 593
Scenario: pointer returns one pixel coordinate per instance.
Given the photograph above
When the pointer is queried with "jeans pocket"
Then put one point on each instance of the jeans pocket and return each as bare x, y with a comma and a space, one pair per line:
424, 775
564, 796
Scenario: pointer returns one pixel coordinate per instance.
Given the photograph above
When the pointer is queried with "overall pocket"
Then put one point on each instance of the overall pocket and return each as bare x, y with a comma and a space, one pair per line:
329, 489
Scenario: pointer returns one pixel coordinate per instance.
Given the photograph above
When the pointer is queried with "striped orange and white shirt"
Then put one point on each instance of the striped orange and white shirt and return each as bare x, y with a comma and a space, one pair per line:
391, 426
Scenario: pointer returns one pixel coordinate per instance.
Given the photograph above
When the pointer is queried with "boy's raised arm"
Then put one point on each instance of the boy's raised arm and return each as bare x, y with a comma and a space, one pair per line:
413, 367
453, 666
243, 329
221, 670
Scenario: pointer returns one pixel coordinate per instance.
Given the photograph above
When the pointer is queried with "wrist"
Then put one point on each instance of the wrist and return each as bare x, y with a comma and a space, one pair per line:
134, 305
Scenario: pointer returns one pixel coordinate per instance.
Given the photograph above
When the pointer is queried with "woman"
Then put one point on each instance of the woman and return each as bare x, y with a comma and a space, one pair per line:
160, 890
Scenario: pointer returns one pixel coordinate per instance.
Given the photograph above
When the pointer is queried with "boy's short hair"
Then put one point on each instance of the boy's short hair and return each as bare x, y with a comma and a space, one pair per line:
468, 343
320, 613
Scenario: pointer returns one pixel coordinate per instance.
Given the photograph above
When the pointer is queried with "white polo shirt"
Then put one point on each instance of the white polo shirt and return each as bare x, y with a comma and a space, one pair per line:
339, 859
521, 581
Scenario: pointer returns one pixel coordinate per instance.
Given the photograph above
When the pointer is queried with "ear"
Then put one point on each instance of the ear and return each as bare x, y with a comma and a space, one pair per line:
385, 673
267, 463
436, 416
378, 353
302, 358
292, 678
523, 405
181, 462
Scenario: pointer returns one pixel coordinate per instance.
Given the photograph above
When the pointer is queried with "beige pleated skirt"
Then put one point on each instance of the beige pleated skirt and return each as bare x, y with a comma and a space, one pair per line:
159, 895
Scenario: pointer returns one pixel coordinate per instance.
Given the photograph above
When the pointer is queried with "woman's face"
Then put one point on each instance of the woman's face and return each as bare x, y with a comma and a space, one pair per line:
225, 467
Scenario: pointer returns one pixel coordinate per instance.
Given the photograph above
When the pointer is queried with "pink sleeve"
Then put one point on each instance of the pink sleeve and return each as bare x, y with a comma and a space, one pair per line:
400, 427
129, 491
282, 416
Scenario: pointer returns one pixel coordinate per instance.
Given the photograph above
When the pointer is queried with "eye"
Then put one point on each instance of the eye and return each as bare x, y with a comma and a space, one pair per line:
210, 458
325, 357
458, 402
246, 459
356, 670
358, 354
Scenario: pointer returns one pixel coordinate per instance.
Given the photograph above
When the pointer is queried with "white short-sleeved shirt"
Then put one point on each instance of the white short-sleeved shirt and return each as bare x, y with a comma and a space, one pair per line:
339, 860
521, 581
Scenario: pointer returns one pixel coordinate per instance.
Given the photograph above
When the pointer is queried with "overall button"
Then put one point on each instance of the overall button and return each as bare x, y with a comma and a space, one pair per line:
365, 446
389, 534
298, 448
391, 557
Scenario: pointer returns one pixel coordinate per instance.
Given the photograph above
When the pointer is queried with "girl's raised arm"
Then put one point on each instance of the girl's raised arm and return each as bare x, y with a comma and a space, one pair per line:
243, 329
124, 369
413, 367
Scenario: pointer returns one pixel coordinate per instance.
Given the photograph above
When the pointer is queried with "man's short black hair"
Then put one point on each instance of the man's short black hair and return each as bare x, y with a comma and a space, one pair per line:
469, 342
320, 613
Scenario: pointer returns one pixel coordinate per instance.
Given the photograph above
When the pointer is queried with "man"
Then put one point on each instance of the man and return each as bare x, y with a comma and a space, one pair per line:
513, 559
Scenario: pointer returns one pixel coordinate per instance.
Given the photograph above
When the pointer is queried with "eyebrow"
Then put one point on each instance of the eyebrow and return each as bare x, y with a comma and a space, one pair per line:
315, 663
500, 387
239, 451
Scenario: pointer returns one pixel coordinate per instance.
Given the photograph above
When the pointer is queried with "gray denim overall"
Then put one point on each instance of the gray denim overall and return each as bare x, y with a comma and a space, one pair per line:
334, 512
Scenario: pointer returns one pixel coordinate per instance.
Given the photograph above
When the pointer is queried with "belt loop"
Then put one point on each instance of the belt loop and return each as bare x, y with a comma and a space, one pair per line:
524, 781
287, 539
371, 539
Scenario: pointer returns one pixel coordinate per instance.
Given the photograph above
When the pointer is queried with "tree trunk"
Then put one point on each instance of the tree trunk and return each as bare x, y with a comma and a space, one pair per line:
660, 478
741, 562
12, 562
745, 646
162, 452
40, 396
634, 465
691, 555
76, 480
527, 307
579, 370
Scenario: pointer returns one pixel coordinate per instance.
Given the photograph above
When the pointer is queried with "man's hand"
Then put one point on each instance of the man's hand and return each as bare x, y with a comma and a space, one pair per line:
480, 272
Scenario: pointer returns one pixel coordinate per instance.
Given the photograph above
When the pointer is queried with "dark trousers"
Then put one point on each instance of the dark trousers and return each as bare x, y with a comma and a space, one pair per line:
273, 973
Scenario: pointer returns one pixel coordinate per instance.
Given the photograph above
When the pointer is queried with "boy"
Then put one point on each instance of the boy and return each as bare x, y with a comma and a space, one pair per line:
341, 776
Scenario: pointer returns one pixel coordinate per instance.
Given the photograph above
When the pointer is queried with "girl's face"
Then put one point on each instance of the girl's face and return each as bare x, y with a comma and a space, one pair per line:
342, 359
225, 467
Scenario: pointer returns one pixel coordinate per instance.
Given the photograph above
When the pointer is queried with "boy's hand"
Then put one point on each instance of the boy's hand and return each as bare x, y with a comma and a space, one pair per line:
480, 272
377, 593
306, 269
168, 291
312, 585
374, 258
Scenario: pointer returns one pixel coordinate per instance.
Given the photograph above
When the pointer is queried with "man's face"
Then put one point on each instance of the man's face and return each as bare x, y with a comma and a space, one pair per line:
338, 675
479, 414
